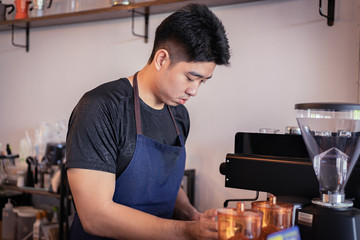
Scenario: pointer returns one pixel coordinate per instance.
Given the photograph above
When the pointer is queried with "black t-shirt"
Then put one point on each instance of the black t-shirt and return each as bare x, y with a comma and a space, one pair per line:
102, 133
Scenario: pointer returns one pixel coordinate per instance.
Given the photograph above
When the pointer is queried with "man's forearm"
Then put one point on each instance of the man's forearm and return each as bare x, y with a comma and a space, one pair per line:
183, 209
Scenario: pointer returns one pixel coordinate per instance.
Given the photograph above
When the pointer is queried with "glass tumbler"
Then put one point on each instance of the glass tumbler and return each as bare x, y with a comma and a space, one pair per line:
277, 215
239, 224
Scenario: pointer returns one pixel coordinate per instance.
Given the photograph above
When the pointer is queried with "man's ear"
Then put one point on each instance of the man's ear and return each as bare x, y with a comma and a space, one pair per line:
161, 59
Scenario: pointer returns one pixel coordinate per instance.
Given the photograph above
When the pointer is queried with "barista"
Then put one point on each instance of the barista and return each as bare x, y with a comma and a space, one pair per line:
125, 144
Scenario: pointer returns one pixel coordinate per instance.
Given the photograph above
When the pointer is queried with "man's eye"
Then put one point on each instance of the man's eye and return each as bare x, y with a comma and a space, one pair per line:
189, 79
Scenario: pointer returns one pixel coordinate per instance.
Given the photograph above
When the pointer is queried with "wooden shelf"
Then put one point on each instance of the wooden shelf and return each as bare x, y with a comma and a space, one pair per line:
112, 12
30, 190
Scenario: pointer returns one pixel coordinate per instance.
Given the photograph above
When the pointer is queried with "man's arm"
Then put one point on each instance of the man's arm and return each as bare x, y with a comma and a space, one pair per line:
99, 215
183, 208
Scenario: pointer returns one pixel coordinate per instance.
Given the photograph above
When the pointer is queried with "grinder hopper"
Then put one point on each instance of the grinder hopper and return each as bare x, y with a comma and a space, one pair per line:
331, 134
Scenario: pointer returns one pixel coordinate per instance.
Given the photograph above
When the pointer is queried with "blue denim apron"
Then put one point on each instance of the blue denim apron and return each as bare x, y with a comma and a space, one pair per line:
151, 181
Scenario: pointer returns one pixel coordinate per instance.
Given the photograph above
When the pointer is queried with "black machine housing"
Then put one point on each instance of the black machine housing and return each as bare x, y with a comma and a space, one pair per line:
279, 164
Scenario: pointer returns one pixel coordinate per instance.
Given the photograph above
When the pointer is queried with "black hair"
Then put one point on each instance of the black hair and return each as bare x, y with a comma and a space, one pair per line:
192, 34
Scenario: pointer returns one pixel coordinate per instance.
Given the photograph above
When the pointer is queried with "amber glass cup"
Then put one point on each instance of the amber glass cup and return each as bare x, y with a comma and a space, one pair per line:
237, 224
277, 215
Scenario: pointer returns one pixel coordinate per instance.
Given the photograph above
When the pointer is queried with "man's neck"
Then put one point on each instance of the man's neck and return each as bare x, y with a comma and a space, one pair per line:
146, 81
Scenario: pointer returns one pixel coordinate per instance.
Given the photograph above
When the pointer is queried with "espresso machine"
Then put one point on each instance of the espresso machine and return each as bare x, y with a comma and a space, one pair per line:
317, 170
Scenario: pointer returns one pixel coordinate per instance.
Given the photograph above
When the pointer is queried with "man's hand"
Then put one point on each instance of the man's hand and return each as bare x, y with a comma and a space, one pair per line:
205, 228
196, 216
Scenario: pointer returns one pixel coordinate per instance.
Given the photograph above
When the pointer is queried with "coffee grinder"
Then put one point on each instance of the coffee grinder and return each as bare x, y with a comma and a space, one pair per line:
331, 135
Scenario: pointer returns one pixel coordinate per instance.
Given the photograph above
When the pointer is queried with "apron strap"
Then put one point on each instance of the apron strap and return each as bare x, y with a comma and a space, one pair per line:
137, 108
137, 105
172, 117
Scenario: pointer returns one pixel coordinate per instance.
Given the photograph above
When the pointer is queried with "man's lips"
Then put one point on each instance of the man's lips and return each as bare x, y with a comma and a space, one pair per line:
183, 100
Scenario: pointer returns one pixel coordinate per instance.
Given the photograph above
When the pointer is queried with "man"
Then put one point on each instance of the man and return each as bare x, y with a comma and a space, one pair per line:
125, 144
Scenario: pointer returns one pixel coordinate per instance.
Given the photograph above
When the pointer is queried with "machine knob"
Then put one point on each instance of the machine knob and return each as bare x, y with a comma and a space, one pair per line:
222, 168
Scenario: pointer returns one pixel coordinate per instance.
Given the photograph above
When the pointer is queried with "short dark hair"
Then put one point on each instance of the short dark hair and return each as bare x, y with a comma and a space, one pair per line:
192, 34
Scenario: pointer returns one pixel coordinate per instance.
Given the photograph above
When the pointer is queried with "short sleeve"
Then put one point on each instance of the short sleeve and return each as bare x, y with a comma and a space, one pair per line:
92, 139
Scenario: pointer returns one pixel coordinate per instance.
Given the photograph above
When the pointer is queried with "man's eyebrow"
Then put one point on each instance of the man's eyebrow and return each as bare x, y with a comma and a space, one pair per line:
198, 75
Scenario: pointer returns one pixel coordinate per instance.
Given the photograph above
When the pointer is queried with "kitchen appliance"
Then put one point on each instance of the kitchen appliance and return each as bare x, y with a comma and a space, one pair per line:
281, 164
331, 134
55, 156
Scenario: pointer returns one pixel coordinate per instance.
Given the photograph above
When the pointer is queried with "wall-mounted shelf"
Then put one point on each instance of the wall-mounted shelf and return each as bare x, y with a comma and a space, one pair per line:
112, 12
107, 13
31, 190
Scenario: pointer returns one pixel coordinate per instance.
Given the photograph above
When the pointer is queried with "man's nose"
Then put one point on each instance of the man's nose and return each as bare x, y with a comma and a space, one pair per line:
192, 91
193, 88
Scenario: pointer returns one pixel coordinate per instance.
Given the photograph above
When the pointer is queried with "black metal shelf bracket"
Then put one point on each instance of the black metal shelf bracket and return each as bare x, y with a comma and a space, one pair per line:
27, 31
226, 203
146, 19
331, 12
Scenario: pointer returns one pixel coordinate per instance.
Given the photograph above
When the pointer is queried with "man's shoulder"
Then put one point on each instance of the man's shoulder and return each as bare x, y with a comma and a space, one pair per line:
113, 92
110, 96
120, 87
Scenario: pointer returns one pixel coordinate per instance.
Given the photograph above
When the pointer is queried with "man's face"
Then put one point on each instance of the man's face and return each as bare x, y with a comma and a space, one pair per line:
180, 81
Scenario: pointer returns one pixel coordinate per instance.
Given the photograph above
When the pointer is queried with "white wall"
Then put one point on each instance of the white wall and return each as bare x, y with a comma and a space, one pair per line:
283, 53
